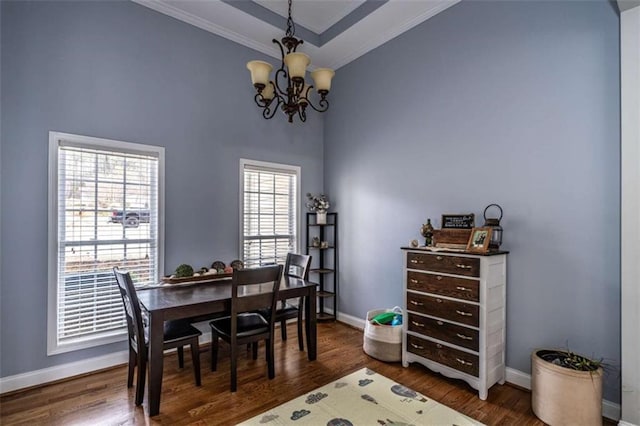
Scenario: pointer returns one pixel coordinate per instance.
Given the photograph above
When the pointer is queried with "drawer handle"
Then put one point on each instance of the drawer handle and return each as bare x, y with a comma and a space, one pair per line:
439, 323
417, 324
439, 278
413, 281
463, 337
439, 257
415, 262
464, 314
414, 346
438, 345
439, 300
463, 288
413, 302
461, 266
463, 362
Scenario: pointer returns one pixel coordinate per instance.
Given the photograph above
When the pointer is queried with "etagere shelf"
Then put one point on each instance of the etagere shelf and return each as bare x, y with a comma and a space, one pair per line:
324, 264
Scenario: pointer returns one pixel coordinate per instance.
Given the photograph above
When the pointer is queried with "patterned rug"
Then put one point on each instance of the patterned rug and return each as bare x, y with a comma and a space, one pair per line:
362, 398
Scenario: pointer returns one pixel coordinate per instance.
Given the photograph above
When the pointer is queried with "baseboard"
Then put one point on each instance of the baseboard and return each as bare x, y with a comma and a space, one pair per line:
519, 378
59, 372
72, 369
610, 410
351, 320
623, 423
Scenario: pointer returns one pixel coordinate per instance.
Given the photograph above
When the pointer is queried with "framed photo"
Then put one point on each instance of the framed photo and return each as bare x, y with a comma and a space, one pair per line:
479, 240
458, 221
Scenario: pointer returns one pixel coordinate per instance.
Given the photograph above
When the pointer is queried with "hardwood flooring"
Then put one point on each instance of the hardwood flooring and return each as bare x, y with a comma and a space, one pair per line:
102, 398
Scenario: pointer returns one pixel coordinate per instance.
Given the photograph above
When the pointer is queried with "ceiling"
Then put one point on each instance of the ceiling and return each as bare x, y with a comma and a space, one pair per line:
335, 32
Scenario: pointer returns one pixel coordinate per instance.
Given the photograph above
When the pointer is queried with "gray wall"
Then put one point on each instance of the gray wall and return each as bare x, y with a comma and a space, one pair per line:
118, 70
515, 103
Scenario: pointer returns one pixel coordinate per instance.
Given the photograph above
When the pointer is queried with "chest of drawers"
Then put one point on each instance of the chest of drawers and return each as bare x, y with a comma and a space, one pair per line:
455, 315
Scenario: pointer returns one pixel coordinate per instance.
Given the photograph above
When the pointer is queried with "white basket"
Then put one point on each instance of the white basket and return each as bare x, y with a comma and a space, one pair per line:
383, 342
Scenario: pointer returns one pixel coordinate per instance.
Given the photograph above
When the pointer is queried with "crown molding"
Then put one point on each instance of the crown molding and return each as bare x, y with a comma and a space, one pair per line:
224, 20
212, 27
376, 20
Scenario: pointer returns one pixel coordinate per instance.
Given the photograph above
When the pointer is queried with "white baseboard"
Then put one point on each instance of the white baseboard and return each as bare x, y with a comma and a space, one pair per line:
623, 423
351, 320
610, 410
58, 372
519, 378
77, 368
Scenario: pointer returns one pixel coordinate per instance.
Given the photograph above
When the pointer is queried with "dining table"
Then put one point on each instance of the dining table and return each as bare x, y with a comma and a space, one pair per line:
201, 300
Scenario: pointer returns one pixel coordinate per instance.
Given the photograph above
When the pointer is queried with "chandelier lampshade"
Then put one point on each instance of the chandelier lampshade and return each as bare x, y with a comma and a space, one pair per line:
288, 89
322, 79
260, 71
268, 91
297, 64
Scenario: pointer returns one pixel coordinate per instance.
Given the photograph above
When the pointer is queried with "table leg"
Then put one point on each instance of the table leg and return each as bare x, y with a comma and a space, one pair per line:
311, 324
156, 344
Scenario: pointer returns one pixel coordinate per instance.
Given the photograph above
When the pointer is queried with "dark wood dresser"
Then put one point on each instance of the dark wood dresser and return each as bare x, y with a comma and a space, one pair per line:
455, 314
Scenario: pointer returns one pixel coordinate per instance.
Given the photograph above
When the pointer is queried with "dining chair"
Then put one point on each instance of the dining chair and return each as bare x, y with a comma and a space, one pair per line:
251, 289
296, 265
177, 334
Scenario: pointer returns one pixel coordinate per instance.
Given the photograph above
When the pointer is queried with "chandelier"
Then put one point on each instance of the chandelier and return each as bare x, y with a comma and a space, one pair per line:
288, 89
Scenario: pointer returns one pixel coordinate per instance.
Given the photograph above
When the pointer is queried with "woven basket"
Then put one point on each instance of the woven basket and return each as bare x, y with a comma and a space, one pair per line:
383, 342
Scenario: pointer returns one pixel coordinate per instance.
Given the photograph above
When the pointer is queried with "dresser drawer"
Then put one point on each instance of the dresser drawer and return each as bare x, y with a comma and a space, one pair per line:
454, 358
461, 312
467, 266
445, 331
460, 288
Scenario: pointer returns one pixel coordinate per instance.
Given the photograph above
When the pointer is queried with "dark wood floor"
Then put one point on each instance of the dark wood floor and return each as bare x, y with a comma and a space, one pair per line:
103, 398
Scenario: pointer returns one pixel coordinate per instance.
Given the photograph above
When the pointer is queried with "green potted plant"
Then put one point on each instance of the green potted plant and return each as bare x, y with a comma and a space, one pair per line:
566, 388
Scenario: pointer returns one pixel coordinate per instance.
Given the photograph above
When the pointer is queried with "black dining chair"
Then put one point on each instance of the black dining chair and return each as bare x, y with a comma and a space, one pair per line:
176, 335
251, 290
296, 265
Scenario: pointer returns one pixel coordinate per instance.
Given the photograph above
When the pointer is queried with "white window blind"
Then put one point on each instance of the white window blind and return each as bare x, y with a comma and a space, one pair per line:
106, 214
269, 213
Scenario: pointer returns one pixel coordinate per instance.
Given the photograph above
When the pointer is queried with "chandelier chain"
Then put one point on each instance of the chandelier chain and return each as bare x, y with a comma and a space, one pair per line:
291, 26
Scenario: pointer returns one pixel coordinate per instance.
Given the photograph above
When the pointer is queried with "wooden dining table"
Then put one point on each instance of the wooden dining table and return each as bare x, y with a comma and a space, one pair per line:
202, 299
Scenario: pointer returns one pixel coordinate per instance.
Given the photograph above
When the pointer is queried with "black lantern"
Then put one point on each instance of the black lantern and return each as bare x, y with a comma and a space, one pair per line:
496, 229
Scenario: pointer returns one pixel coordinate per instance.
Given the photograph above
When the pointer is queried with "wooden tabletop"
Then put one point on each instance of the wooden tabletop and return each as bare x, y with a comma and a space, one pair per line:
169, 298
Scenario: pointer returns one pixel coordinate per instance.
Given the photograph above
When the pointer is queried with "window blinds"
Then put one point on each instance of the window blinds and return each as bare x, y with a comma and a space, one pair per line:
97, 188
269, 215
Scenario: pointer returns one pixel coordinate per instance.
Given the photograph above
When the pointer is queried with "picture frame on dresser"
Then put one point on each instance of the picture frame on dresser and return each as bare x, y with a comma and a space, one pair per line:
479, 240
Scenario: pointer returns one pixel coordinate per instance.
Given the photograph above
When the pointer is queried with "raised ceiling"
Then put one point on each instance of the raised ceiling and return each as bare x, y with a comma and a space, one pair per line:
314, 15
335, 32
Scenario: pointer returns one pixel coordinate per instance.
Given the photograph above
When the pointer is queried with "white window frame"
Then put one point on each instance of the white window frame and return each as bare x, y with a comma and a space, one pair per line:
268, 166
55, 139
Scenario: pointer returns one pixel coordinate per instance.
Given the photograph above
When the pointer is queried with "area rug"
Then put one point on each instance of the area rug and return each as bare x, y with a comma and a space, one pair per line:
362, 398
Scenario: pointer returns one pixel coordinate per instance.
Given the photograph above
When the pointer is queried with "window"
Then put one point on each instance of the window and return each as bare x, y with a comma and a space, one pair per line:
105, 210
268, 212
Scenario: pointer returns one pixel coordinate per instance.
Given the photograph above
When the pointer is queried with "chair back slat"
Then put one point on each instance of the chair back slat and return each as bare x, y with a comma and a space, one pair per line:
253, 289
135, 323
297, 265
